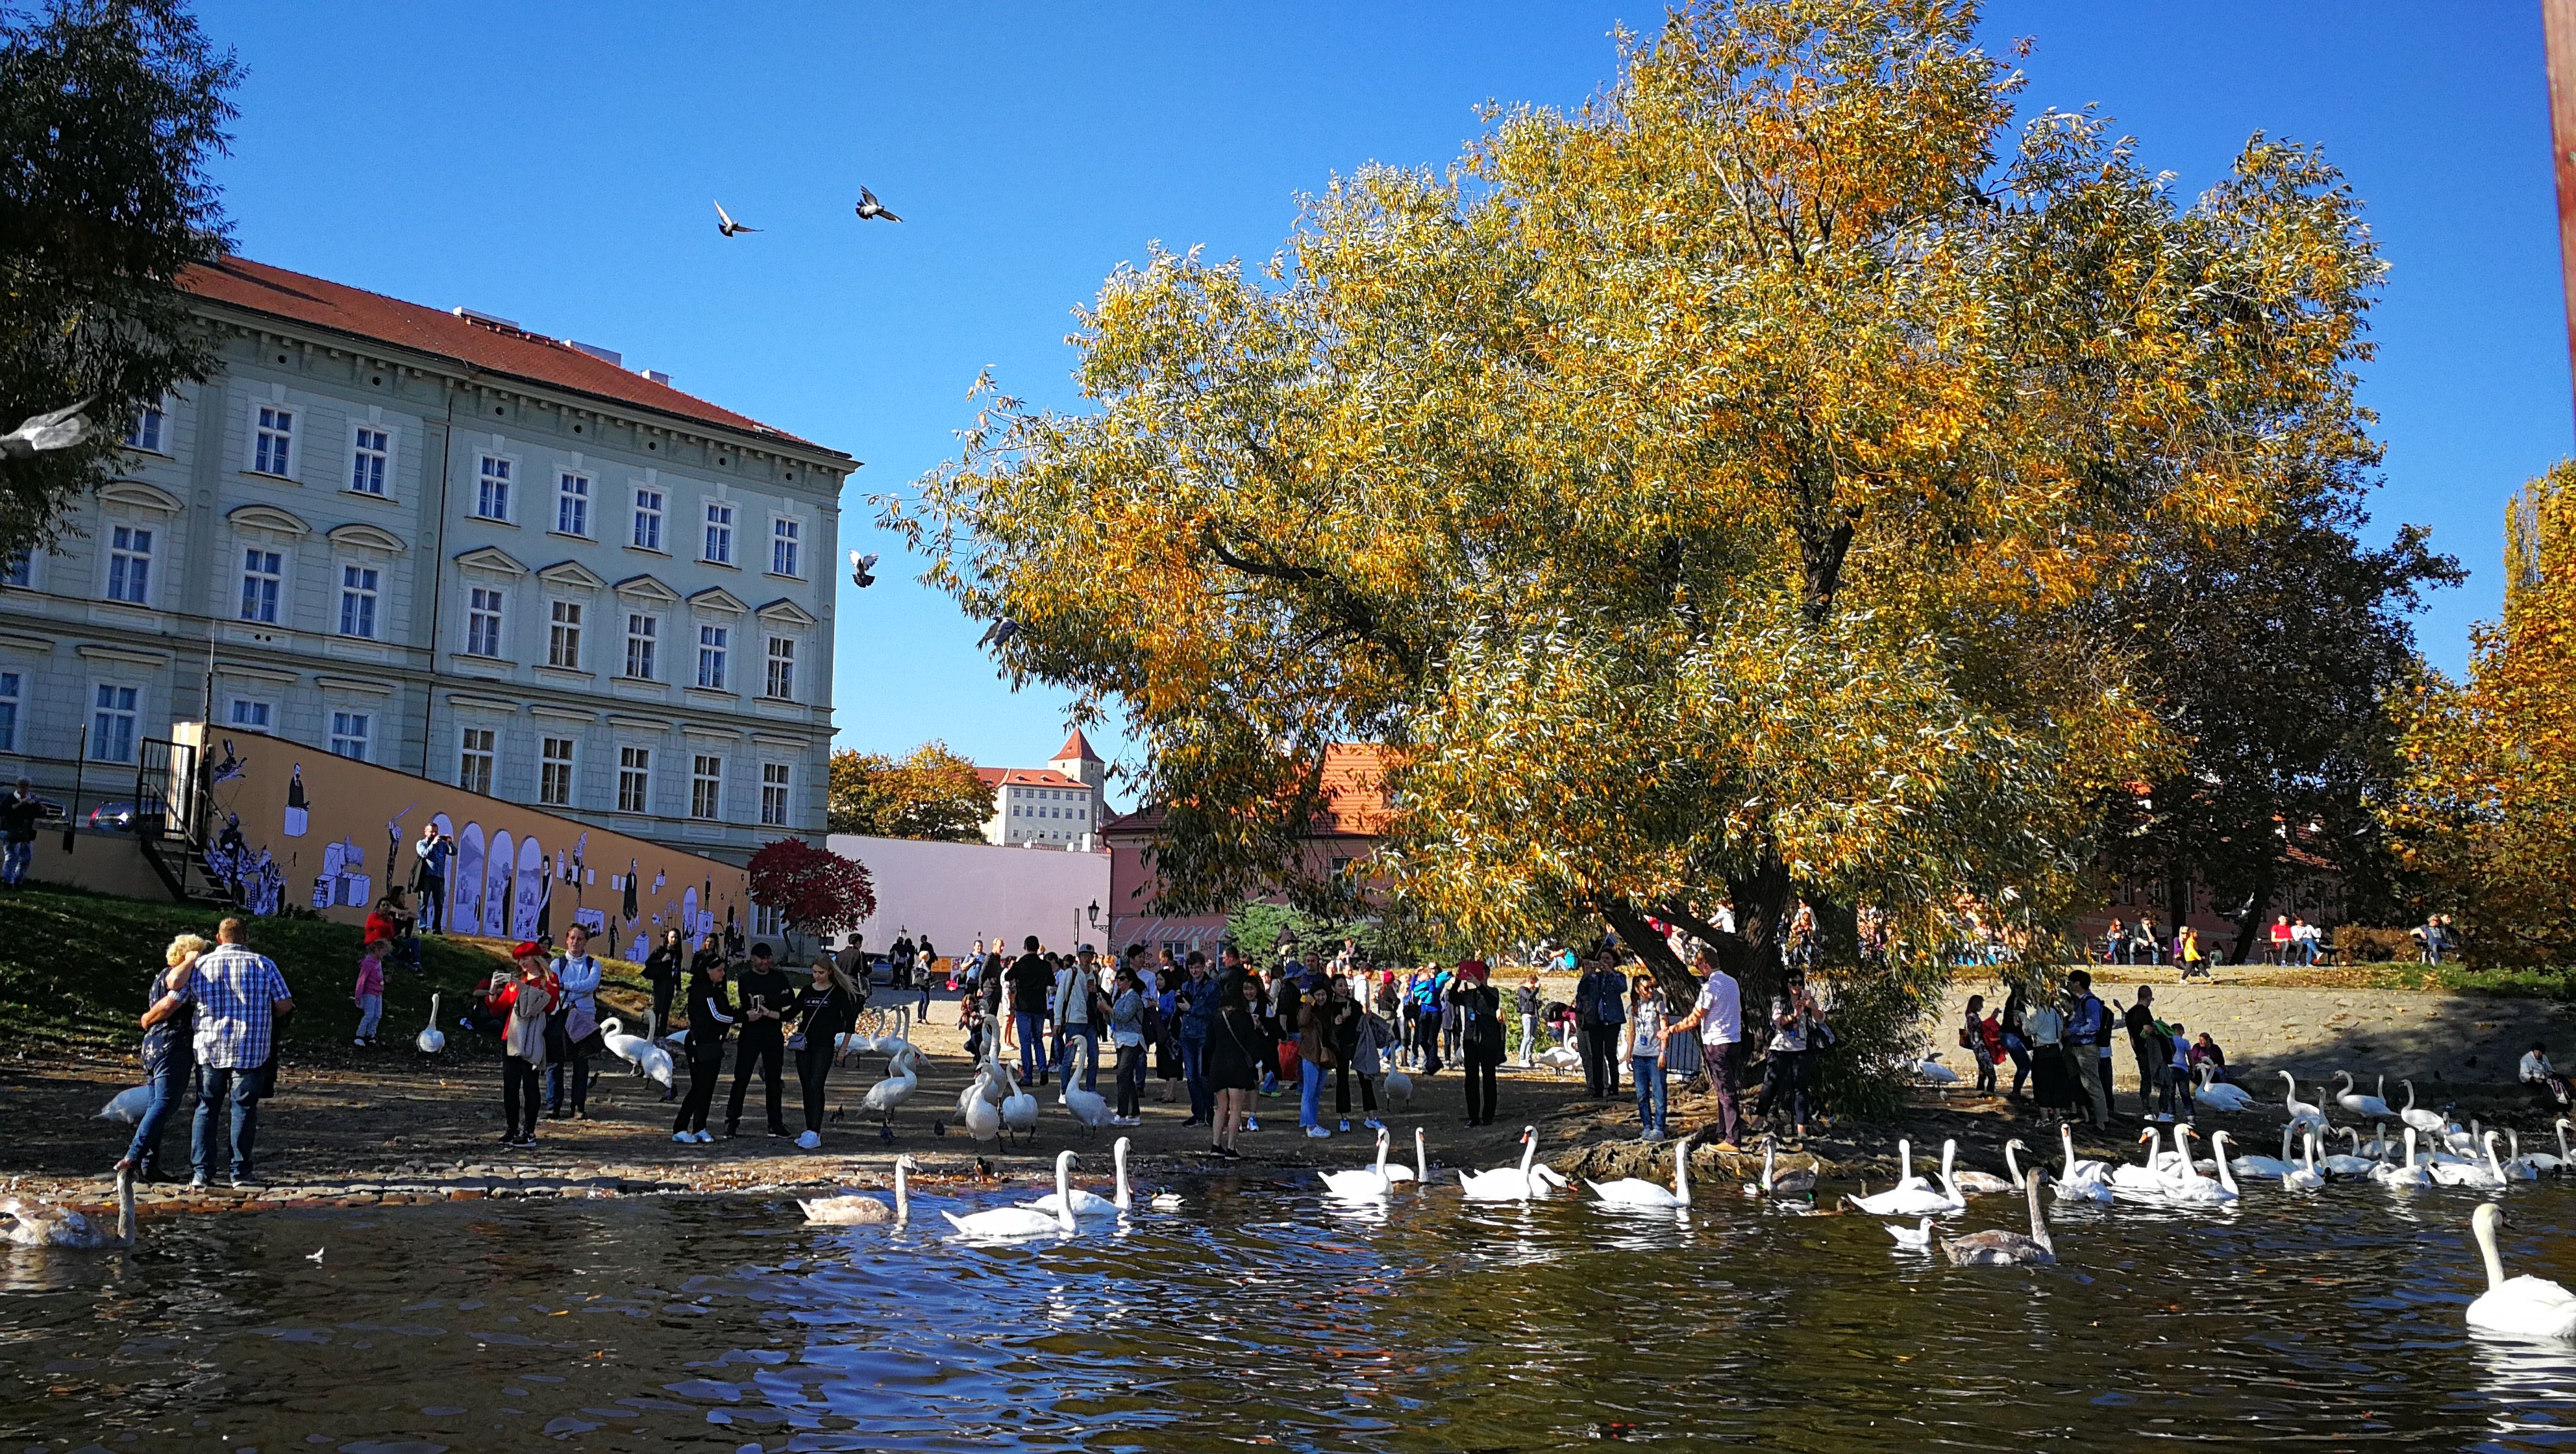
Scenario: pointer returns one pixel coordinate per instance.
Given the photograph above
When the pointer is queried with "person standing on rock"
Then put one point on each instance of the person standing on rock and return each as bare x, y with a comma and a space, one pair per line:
762, 998
1597, 1010
709, 1019
237, 996
1719, 1018
572, 1032
169, 1059
1645, 1052
2087, 1026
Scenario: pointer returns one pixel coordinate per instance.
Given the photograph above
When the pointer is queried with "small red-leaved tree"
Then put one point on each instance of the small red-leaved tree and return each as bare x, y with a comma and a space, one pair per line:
815, 891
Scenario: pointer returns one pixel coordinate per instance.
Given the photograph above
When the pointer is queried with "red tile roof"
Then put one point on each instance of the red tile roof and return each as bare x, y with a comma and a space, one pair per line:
1038, 777
1076, 746
1355, 800
491, 348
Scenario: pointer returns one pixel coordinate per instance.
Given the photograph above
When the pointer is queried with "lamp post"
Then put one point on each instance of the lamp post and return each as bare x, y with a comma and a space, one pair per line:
1094, 913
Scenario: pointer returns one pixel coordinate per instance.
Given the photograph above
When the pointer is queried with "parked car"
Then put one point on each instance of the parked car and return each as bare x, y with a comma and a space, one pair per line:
120, 817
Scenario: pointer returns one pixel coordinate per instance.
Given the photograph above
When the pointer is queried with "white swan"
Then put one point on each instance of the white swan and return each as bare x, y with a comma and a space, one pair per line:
2307, 1177
2219, 1096
1397, 1089
1917, 1238
852, 1209
1931, 1069
1088, 1204
1420, 1170
1917, 1199
2556, 1165
1017, 1106
2352, 1167
2299, 1110
1091, 1108
1636, 1193
653, 1062
2266, 1168
1986, 1183
433, 1040
2077, 1170
638, 1051
983, 1117
1023, 1221
2489, 1177
2527, 1307
126, 1105
900, 1082
2001, 1248
2149, 1177
1365, 1184
2431, 1123
2406, 1173
2189, 1188
1776, 1182
1509, 1183
42, 1224
2369, 1108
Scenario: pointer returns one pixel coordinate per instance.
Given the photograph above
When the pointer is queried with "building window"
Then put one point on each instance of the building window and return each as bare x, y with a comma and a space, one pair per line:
18, 569
634, 779
482, 622
773, 794
273, 442
785, 536
113, 714
367, 455
146, 433
492, 500
711, 658
254, 716
648, 519
643, 634
572, 505
782, 668
129, 564
349, 734
358, 601
474, 760
563, 636
719, 534
554, 771
8, 711
263, 576
706, 787
766, 921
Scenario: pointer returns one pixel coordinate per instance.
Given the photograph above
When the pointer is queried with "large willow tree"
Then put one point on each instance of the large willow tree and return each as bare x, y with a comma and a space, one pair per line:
1708, 494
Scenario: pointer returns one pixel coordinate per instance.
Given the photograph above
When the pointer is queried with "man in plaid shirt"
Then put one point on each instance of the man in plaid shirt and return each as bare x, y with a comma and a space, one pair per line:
237, 995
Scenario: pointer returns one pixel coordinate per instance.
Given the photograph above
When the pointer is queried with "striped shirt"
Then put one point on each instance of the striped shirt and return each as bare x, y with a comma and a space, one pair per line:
234, 991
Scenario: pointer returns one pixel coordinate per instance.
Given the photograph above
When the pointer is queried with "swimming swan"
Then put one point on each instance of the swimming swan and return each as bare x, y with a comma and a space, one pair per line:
1023, 1221
42, 1224
2300, 1110
1089, 1204
2527, 1307
1365, 1184
1419, 1171
1916, 1199
1509, 1183
853, 1210
1637, 1193
1983, 1249
2406, 1173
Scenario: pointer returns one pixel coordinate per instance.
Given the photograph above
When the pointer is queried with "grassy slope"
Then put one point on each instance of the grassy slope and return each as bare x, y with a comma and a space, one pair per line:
74, 967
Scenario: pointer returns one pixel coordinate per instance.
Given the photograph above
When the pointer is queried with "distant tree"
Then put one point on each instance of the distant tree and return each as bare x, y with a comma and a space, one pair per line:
2486, 805
929, 793
109, 112
2271, 655
815, 891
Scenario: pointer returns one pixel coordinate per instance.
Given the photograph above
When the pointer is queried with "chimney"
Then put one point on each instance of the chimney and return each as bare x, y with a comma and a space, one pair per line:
489, 320
657, 376
608, 356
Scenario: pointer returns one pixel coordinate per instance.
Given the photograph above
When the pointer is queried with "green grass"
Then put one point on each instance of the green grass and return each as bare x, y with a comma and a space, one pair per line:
2523, 984
75, 967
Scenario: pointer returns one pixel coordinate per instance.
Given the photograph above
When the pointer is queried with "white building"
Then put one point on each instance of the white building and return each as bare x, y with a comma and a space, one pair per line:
443, 543
1061, 805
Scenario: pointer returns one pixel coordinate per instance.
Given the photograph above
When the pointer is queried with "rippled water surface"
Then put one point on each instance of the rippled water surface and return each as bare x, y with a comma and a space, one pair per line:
1259, 1315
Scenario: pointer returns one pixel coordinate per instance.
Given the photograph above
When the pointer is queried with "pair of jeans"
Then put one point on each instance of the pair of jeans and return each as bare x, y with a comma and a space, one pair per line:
1194, 1070
1090, 1038
1131, 1080
1724, 1063
1481, 1091
433, 902
1985, 1067
763, 1047
371, 1012
580, 1067
1601, 1059
1032, 1030
813, 1065
1310, 1092
1426, 1040
1785, 1080
2021, 1061
1342, 1091
2089, 1100
519, 1082
13, 861
704, 1072
168, 1084
1529, 1042
1648, 1072
239, 1089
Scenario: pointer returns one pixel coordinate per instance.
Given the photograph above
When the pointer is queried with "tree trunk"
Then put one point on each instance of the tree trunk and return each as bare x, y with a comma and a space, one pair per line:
2249, 929
1628, 921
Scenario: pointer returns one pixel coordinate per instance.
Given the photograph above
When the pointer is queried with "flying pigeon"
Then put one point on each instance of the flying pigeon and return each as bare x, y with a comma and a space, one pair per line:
999, 633
726, 225
60, 429
870, 208
862, 570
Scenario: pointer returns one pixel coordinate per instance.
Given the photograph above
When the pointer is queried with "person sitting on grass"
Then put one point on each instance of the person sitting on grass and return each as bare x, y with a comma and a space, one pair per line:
2547, 1085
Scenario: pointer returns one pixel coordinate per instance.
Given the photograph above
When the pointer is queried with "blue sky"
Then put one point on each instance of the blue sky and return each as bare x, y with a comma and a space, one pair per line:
554, 164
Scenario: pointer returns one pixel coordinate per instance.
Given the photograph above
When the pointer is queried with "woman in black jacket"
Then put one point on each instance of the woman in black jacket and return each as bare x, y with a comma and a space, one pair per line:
826, 1008
1235, 1045
1480, 1038
709, 1018
663, 970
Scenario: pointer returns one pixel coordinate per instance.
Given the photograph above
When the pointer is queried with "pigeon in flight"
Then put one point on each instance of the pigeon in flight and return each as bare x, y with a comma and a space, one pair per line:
999, 633
60, 429
726, 225
862, 570
870, 208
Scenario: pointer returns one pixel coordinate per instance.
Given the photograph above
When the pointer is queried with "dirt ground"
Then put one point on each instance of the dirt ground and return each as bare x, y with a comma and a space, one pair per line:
365, 1127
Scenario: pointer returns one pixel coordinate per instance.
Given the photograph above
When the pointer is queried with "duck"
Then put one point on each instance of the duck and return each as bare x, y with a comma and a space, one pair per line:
26, 1223
1917, 1238
1089, 1204
1419, 1171
2001, 1248
2405, 1174
2218, 1095
900, 1082
126, 1105
2369, 1108
1917, 1198
1509, 1183
852, 1210
1090, 1108
2526, 1306
1638, 1194
2302, 1112
1366, 1184
2352, 1167
2307, 1177
432, 1040
1024, 1221
2431, 1123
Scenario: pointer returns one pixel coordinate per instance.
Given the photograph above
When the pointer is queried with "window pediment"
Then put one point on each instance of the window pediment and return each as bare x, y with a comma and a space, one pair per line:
367, 537
491, 558
269, 517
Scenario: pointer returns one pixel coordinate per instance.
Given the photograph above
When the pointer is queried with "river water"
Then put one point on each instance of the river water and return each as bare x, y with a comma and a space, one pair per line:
1259, 1315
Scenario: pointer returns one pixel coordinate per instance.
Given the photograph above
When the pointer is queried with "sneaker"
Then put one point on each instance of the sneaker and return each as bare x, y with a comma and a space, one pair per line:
809, 1141
1319, 1133
1346, 1123
1229, 1153
247, 1183
1252, 1123
360, 1042
778, 1131
198, 1182
1652, 1134
684, 1138
706, 1138
1216, 1151
1373, 1123
732, 1129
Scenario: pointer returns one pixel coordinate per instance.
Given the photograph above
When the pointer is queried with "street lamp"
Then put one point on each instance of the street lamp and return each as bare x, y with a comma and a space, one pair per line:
1094, 913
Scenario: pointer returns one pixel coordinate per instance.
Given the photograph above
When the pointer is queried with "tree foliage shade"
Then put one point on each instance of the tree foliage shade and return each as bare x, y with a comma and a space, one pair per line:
930, 792
109, 113
1707, 493
815, 891
2486, 806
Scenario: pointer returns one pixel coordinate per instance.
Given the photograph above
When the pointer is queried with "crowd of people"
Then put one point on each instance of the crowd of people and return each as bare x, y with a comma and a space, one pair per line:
2062, 1052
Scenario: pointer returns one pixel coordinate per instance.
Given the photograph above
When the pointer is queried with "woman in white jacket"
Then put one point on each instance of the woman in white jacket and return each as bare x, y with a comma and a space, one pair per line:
577, 972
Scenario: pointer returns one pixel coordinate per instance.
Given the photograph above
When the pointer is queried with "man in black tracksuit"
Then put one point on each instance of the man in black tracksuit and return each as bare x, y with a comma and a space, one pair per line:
762, 999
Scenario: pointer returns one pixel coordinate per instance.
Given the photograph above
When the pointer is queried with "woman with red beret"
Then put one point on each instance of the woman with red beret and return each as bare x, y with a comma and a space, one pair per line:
521, 999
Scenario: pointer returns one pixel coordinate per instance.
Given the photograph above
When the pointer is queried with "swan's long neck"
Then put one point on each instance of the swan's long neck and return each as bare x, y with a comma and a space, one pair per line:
902, 1196
1768, 1150
2287, 1131
1904, 1161
1949, 1161
2038, 1223
2485, 1227
1529, 1150
2410, 1097
1421, 1159
1118, 1155
2410, 1148
652, 1026
1064, 1190
2493, 1165
2010, 1165
1681, 1173
125, 1209
1381, 1156
2562, 1139
433, 1012
2066, 1134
